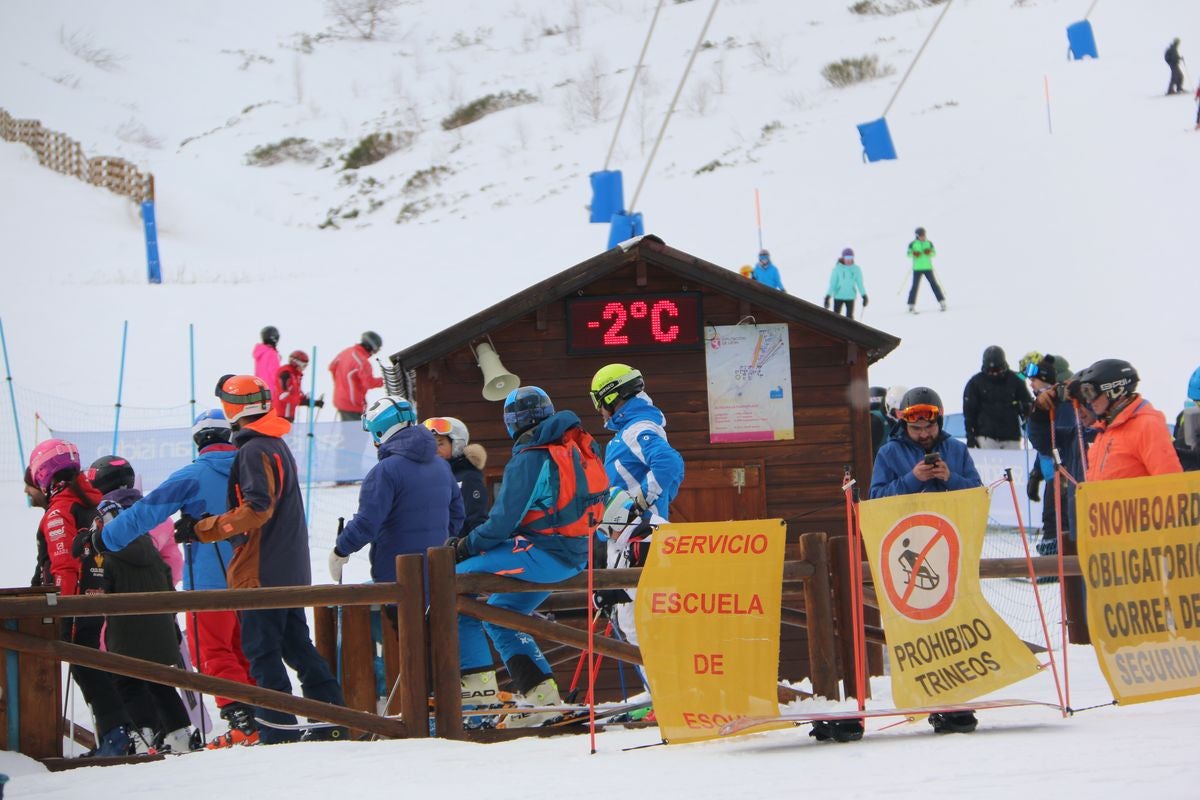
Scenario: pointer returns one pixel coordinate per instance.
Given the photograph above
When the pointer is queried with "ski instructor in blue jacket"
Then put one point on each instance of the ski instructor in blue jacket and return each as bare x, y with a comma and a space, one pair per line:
408, 502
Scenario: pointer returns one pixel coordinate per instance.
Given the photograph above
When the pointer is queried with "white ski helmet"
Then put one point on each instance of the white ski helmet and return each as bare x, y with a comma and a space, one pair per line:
893, 400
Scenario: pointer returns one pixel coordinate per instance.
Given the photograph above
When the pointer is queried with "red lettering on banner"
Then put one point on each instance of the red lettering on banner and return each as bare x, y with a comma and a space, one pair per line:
704, 720
721, 603
719, 545
709, 664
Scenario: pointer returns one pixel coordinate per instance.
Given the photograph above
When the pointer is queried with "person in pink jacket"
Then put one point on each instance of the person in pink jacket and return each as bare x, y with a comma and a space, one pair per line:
353, 377
266, 357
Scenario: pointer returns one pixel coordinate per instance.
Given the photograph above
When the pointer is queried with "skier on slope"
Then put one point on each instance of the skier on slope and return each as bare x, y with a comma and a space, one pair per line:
766, 273
845, 284
922, 251
266, 356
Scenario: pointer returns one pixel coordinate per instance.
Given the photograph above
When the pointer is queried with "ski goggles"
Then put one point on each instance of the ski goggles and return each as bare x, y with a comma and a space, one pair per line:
438, 425
261, 396
1087, 392
920, 413
1031, 370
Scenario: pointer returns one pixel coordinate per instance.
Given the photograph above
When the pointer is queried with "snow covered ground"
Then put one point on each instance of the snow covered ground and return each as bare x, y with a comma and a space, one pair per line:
1078, 241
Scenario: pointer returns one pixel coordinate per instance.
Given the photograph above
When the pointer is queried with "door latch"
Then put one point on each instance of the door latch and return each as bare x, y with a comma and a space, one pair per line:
738, 478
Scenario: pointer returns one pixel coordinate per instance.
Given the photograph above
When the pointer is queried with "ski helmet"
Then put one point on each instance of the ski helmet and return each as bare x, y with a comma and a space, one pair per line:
108, 473
298, 359
211, 428
372, 341
763, 255
994, 359
270, 335
387, 416
1194, 386
893, 399
615, 382
919, 232
921, 403
746, 270
1112, 377
243, 396
875, 396
49, 458
524, 408
453, 429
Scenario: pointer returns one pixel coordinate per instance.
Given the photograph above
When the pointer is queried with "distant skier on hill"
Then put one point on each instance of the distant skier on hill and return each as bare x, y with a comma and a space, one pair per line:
766, 272
1173, 60
921, 251
845, 284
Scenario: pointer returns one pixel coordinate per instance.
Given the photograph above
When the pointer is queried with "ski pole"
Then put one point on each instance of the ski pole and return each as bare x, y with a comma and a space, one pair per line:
190, 556
341, 524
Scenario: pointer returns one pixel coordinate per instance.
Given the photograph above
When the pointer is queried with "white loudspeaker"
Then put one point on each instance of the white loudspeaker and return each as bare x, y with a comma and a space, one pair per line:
497, 381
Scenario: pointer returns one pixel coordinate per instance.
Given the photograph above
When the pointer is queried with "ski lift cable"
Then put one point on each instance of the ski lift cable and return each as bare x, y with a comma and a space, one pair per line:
1091, 8
671, 109
917, 57
633, 83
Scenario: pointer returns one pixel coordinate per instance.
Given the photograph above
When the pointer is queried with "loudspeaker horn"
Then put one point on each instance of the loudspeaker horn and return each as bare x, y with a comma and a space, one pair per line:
497, 380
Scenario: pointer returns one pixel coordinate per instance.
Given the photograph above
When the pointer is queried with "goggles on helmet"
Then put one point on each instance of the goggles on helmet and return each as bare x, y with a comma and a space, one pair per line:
920, 413
438, 425
1088, 392
261, 396
1031, 370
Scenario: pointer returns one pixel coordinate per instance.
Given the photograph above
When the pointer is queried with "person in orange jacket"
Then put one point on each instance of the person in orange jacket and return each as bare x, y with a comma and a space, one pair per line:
352, 377
1133, 440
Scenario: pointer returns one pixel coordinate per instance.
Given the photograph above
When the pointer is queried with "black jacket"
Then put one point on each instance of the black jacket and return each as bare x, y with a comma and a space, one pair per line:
138, 567
468, 471
994, 405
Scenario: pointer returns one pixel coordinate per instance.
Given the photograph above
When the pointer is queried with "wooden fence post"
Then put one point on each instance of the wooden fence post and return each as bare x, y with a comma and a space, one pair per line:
358, 659
40, 695
443, 638
411, 637
818, 606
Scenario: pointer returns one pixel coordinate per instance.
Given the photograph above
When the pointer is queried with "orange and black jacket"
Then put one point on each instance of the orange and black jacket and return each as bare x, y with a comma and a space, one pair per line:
72, 508
265, 520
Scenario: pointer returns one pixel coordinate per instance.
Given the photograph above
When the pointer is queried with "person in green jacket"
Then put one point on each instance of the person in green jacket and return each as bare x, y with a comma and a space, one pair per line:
845, 284
921, 251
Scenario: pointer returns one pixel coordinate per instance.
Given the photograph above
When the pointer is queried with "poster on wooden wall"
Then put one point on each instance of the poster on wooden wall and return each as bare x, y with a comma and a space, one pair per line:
749, 370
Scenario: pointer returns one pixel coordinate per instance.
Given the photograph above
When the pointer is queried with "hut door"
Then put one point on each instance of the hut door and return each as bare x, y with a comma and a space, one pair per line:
714, 491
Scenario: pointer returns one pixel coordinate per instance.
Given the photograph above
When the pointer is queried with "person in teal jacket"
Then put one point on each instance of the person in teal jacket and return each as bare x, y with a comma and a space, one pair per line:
845, 284
921, 251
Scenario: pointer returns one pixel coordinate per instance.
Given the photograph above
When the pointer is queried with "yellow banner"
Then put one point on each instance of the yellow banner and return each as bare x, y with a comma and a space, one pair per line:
1139, 550
707, 612
945, 643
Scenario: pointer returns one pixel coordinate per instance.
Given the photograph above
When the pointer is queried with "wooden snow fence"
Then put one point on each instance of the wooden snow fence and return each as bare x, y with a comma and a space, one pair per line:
61, 153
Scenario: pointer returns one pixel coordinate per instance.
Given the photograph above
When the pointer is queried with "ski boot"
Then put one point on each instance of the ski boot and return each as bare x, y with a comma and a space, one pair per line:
243, 730
479, 692
954, 722
842, 730
115, 742
177, 741
145, 741
544, 694
325, 733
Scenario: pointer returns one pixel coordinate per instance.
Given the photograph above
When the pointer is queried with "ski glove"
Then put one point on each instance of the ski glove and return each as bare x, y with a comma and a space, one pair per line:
606, 599
336, 562
319, 402
1033, 489
81, 546
461, 551
185, 528
827, 300
864, 301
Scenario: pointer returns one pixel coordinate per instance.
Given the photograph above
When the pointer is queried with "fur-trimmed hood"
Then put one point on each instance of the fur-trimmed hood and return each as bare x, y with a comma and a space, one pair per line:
475, 454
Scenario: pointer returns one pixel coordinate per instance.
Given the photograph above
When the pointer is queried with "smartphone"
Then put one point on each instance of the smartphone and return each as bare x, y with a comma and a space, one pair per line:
932, 458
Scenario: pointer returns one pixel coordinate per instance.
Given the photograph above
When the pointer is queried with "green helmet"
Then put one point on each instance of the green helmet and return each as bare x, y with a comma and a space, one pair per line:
615, 382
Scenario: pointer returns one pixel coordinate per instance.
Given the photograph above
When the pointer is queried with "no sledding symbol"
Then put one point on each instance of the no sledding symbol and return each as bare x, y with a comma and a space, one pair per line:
919, 562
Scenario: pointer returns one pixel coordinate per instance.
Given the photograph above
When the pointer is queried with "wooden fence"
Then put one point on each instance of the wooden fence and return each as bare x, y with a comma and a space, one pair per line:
63, 154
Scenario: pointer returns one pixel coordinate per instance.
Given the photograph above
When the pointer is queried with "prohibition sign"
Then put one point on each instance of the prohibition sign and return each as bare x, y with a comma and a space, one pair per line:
917, 573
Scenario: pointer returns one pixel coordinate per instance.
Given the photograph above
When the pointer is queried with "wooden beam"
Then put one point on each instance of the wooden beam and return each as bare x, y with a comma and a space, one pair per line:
411, 638
555, 632
206, 684
443, 641
603, 579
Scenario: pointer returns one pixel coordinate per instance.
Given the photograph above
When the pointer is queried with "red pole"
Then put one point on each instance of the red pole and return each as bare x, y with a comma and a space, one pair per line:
591, 652
856, 612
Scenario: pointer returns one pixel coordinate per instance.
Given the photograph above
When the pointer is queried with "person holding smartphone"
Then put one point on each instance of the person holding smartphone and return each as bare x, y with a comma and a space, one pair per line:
920, 456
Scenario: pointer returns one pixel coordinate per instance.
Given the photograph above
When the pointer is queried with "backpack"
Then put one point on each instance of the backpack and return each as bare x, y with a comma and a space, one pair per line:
580, 487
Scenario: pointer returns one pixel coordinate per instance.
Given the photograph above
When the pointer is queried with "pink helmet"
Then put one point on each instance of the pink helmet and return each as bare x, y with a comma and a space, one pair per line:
50, 457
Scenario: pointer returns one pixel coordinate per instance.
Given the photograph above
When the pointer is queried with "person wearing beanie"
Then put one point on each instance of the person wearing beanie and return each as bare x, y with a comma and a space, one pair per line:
845, 284
995, 401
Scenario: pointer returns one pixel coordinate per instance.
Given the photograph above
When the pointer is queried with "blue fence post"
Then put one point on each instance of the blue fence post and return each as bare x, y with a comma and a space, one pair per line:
120, 386
153, 269
312, 393
12, 397
12, 672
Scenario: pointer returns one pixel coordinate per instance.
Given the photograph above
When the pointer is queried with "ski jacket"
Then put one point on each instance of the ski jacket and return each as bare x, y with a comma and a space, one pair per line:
921, 253
468, 471
409, 502
287, 395
527, 483
352, 378
266, 362
72, 507
846, 282
1066, 438
198, 489
266, 512
639, 459
162, 532
1135, 444
1172, 55
892, 474
767, 274
995, 405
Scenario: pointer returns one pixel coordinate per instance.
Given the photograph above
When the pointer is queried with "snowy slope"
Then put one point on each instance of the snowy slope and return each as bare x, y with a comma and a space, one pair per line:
1077, 242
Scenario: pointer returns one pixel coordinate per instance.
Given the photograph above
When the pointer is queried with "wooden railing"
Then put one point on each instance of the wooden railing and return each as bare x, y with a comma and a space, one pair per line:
61, 153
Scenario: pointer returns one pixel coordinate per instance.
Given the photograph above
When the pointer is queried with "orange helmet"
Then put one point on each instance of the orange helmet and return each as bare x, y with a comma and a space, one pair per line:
243, 396
746, 270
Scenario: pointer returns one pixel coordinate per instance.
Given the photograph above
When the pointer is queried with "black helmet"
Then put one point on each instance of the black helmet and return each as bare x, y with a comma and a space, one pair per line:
876, 394
1108, 376
994, 359
110, 472
918, 399
372, 341
270, 335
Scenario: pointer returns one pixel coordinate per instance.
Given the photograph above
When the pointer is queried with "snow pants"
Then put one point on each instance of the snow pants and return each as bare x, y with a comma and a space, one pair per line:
216, 637
97, 686
916, 284
521, 560
272, 638
848, 305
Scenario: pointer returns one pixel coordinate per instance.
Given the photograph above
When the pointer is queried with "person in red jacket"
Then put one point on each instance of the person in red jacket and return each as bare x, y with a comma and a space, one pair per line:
353, 377
1134, 440
288, 381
